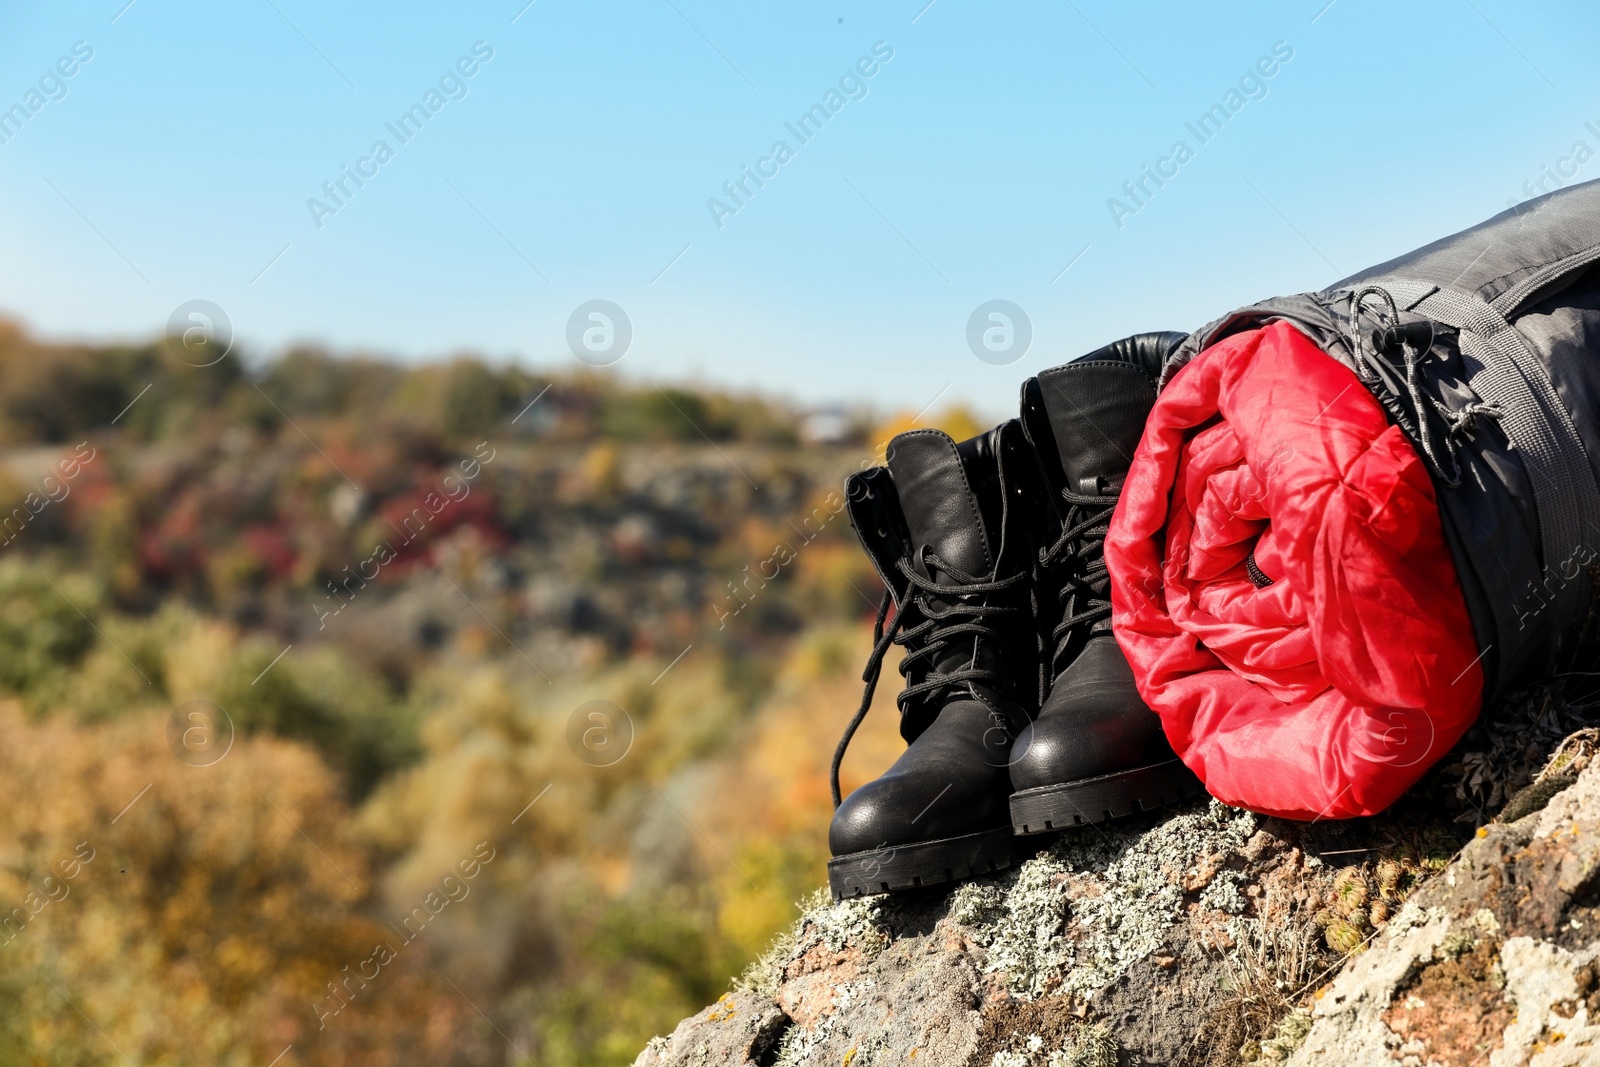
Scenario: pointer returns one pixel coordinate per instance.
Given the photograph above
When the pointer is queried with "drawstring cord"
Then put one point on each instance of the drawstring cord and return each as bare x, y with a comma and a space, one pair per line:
1459, 423
1464, 422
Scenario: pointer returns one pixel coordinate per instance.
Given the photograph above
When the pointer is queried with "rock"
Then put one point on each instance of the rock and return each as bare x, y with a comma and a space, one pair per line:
741, 1027
1496, 960
1202, 937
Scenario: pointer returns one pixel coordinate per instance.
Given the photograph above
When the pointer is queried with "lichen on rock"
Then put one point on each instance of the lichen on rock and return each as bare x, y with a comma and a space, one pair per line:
1085, 1045
1203, 936
1075, 917
824, 923
1493, 961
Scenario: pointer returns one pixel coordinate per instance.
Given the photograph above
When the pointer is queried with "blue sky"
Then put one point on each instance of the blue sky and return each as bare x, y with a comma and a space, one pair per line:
975, 164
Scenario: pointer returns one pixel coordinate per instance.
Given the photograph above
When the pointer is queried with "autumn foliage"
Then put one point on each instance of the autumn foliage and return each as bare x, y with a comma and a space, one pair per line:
382, 844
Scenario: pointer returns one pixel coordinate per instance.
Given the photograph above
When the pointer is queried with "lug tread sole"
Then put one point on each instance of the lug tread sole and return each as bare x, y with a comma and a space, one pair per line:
921, 863
1047, 809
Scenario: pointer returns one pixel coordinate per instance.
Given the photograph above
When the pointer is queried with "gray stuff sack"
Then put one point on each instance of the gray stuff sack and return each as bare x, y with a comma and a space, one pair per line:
1484, 348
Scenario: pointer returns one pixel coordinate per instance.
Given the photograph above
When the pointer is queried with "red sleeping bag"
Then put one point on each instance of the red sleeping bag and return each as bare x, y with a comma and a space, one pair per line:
1282, 588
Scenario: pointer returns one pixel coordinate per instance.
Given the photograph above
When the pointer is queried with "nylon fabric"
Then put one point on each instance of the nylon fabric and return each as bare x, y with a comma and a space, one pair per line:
1327, 692
1533, 416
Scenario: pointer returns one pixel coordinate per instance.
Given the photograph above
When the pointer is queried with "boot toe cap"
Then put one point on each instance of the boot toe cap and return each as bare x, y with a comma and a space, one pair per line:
1093, 723
1065, 748
869, 818
951, 781
900, 810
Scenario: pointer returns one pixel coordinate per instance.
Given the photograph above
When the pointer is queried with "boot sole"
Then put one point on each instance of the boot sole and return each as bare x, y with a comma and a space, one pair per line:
922, 863
1048, 808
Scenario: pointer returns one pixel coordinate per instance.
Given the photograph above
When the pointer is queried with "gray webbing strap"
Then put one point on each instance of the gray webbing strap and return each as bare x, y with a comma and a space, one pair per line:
1534, 420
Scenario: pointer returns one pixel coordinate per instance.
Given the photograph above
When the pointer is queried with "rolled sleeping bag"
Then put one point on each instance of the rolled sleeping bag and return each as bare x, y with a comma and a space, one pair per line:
1359, 516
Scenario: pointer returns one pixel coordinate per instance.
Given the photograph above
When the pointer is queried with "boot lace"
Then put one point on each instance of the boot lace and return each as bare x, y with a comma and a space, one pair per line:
1085, 593
939, 628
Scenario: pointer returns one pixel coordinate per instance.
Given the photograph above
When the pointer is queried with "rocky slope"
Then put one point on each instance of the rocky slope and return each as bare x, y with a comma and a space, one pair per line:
1209, 936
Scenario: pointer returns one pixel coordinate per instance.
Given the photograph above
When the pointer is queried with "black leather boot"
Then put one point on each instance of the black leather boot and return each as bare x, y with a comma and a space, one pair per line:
953, 531
1095, 750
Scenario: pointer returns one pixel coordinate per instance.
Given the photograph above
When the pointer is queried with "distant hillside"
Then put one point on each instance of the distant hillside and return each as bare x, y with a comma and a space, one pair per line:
285, 642
318, 497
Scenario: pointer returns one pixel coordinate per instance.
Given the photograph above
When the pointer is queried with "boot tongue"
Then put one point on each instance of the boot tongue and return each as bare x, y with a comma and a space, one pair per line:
1097, 410
941, 508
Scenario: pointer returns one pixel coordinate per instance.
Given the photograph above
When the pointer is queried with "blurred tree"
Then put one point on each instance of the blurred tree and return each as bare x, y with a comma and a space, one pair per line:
42, 633
474, 401
957, 421
210, 912
592, 544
